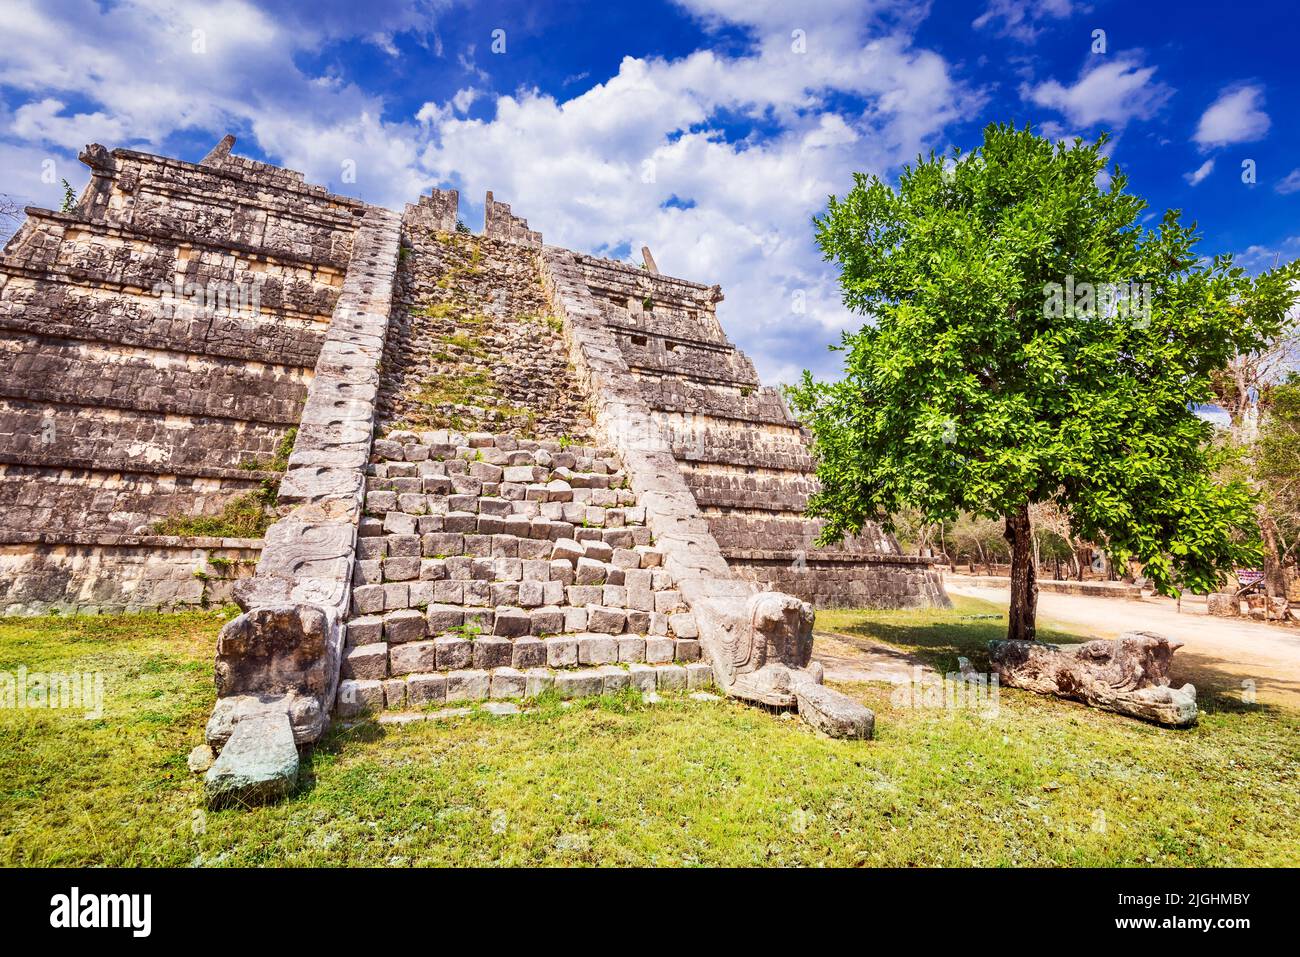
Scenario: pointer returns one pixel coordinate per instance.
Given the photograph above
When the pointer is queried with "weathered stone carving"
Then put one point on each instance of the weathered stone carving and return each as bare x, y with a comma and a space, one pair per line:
765, 655
758, 659
1128, 675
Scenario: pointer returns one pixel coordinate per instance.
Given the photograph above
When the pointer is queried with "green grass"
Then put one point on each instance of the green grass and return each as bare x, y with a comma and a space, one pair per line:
618, 782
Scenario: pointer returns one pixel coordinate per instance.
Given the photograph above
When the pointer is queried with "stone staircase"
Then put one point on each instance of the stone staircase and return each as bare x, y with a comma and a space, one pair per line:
492, 567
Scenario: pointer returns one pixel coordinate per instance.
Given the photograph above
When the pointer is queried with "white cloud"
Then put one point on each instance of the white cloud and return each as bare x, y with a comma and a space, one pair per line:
1021, 19
1202, 171
1290, 183
1235, 117
464, 99
595, 171
1111, 92
1260, 257
575, 167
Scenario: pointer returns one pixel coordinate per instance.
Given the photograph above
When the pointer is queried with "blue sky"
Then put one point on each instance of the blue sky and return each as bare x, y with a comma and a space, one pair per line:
711, 130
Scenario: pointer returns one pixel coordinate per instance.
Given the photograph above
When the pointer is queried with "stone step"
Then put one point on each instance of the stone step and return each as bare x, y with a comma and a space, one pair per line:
375, 655
432, 689
497, 450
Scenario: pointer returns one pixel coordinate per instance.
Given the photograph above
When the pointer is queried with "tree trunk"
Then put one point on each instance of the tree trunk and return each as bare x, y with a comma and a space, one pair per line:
1274, 573
1024, 586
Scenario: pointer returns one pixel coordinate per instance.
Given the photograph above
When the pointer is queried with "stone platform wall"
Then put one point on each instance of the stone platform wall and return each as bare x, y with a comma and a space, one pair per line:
156, 346
94, 574
743, 455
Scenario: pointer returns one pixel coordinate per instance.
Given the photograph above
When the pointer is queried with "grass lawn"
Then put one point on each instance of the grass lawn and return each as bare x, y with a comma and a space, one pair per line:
619, 782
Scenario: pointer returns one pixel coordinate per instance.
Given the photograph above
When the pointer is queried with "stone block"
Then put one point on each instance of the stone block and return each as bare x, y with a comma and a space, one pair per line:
834, 713
367, 600
687, 649
442, 618
453, 652
395, 694
608, 621
425, 690
642, 677
561, 651
616, 679
507, 683
529, 594
403, 626
631, 648
397, 595
567, 551
448, 592
358, 697
595, 649
579, 684
403, 546
667, 602
538, 681
528, 652
597, 550
671, 677
258, 764
469, 685
659, 649
546, 621
683, 625
491, 652
511, 623
582, 595
365, 662
365, 630
698, 675
413, 657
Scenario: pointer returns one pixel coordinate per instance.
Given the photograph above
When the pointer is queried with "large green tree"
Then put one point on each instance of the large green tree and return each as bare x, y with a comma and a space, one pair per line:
998, 368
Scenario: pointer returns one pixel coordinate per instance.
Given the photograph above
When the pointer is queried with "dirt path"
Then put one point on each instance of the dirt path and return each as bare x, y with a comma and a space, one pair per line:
1218, 653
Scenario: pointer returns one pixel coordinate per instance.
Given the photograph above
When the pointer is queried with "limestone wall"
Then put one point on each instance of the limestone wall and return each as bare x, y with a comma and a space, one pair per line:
743, 455
91, 574
156, 345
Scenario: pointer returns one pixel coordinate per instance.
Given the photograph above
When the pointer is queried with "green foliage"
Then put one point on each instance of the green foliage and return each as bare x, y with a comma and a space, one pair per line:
973, 389
69, 198
245, 516
278, 462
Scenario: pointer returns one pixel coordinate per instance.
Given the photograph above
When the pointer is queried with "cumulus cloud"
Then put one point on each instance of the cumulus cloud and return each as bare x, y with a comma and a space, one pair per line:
1112, 92
1258, 258
749, 144
601, 171
1237, 116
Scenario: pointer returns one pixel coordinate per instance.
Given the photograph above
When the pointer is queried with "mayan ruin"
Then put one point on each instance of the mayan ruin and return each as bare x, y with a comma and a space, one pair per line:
483, 440
497, 465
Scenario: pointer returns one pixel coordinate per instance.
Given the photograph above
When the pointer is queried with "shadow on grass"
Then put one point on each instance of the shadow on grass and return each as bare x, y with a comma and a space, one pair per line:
940, 638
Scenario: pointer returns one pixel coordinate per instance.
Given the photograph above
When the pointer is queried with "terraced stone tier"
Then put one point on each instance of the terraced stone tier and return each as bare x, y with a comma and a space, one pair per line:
744, 457
484, 560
